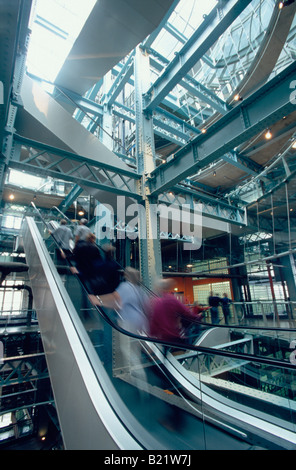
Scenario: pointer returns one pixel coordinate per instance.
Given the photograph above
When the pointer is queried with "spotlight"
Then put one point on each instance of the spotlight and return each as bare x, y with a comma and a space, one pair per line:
285, 3
294, 145
203, 131
268, 135
11, 197
214, 173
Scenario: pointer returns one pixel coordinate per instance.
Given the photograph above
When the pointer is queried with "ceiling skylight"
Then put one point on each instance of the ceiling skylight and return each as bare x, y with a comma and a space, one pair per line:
55, 27
186, 18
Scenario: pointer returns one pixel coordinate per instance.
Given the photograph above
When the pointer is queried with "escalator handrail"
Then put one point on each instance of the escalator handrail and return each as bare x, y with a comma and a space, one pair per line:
144, 339
153, 294
177, 344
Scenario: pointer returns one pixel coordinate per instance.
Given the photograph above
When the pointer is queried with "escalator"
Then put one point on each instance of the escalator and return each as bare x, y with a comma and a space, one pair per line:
117, 391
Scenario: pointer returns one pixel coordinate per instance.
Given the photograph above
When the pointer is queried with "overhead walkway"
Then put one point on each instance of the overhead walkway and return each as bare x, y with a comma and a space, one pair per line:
113, 29
143, 399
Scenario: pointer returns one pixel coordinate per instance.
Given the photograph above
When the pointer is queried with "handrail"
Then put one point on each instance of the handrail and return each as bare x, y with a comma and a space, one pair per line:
60, 212
180, 345
152, 293
99, 247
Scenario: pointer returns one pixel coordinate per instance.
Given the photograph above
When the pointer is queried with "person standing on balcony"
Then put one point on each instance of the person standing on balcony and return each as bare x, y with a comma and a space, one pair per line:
225, 307
214, 302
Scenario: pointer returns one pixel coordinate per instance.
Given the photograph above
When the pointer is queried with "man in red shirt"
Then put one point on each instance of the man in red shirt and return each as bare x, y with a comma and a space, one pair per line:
166, 314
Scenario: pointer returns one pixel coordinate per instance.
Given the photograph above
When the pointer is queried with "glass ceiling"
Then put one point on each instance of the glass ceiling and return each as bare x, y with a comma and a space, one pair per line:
184, 20
55, 27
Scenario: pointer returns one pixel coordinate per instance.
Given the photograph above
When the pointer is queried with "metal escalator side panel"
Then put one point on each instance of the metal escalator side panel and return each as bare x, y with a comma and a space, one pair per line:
86, 417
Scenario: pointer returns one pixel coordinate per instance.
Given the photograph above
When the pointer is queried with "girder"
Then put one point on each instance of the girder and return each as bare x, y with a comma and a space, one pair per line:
20, 369
70, 198
48, 161
213, 26
269, 104
196, 89
212, 207
121, 79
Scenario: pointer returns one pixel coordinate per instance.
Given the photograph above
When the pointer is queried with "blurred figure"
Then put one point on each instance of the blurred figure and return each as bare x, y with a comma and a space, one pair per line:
111, 269
225, 307
63, 235
133, 319
166, 313
105, 280
165, 323
199, 310
193, 328
87, 258
81, 231
214, 302
133, 300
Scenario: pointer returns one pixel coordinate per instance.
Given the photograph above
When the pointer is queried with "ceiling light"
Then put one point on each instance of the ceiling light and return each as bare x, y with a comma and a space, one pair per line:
285, 3
268, 134
214, 173
11, 197
294, 145
203, 131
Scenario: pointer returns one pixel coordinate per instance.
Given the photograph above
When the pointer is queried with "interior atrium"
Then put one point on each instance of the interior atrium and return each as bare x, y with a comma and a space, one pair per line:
170, 126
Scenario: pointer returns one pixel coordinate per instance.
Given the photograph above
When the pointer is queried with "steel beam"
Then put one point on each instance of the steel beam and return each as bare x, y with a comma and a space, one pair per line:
70, 198
259, 111
213, 26
121, 79
198, 90
80, 170
212, 207
85, 105
20, 369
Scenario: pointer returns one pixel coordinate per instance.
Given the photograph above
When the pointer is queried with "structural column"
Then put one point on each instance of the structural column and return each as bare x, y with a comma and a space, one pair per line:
106, 136
149, 239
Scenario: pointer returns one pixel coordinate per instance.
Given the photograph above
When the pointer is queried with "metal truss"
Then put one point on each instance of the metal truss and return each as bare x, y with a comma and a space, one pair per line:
44, 160
205, 36
21, 369
265, 107
121, 79
48, 161
191, 85
211, 207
